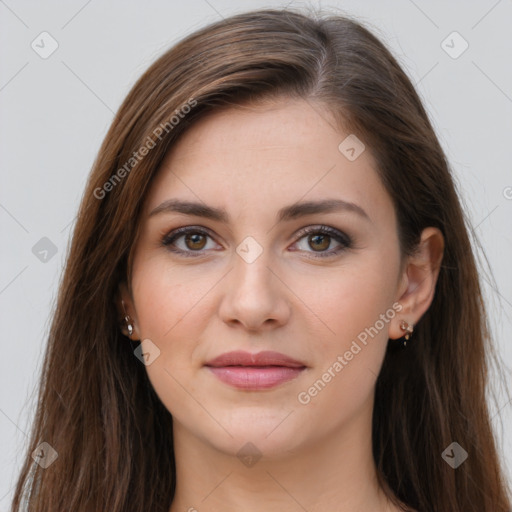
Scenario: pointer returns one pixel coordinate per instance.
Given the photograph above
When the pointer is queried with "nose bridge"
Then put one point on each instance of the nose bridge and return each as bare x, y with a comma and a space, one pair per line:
252, 261
253, 294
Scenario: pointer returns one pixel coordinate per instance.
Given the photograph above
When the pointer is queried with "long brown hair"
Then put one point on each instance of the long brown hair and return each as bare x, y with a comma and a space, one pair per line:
96, 406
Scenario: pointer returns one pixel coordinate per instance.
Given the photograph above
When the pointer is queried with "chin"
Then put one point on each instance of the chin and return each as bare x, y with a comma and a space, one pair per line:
272, 432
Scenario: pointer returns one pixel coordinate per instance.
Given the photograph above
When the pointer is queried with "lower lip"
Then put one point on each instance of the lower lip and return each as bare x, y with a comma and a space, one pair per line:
253, 377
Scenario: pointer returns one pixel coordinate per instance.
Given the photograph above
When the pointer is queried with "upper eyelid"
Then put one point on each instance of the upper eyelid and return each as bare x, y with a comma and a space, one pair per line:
328, 230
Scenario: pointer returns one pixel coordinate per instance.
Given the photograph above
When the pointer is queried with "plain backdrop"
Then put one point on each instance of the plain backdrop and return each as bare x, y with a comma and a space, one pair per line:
56, 110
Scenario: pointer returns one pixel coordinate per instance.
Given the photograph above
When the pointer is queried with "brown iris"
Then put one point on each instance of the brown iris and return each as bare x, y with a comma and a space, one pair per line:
323, 241
195, 241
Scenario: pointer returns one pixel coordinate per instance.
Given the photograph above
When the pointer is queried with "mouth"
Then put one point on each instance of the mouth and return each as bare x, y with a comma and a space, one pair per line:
247, 371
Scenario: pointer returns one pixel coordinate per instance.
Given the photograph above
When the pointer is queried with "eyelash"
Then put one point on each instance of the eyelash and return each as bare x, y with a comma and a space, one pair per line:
342, 238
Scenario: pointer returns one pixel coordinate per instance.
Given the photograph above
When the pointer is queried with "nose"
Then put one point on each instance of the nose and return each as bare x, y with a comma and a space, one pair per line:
254, 296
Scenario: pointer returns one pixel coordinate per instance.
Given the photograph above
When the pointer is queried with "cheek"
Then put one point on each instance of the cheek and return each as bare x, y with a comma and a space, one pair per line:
355, 307
167, 295
170, 306
347, 300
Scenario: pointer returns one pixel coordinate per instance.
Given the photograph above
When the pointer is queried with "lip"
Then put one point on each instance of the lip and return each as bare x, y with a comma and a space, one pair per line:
248, 371
265, 358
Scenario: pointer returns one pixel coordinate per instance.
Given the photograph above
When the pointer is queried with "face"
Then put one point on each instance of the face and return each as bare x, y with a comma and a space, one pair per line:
264, 271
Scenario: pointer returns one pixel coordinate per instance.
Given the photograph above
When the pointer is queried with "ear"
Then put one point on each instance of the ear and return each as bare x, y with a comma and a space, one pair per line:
418, 280
125, 307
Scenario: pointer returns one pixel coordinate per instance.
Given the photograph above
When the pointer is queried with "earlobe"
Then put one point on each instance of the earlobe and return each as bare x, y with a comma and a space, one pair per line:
417, 287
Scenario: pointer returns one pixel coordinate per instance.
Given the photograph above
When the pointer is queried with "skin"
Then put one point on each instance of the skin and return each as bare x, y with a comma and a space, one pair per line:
252, 161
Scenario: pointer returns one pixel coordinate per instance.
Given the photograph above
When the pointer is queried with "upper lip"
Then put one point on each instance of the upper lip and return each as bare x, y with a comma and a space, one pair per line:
266, 358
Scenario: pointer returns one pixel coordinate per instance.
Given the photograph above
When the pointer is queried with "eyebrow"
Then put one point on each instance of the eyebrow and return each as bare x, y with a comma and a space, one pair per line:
287, 213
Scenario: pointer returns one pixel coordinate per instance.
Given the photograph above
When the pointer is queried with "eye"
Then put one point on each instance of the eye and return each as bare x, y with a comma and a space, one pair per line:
191, 240
319, 238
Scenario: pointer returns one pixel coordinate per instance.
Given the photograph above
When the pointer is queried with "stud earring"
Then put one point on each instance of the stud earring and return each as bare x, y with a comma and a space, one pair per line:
129, 325
128, 321
408, 328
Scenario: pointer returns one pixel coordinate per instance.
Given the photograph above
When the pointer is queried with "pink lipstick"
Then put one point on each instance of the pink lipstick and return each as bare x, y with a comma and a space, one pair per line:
248, 371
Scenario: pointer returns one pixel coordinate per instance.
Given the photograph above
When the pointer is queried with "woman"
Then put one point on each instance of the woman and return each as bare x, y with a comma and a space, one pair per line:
270, 300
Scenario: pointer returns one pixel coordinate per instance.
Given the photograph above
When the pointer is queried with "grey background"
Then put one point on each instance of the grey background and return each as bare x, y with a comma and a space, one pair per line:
56, 111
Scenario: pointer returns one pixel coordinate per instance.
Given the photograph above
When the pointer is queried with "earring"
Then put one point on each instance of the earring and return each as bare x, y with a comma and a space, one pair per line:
129, 325
408, 328
128, 321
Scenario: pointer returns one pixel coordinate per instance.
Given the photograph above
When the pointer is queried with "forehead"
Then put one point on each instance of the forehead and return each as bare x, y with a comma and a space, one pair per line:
268, 154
